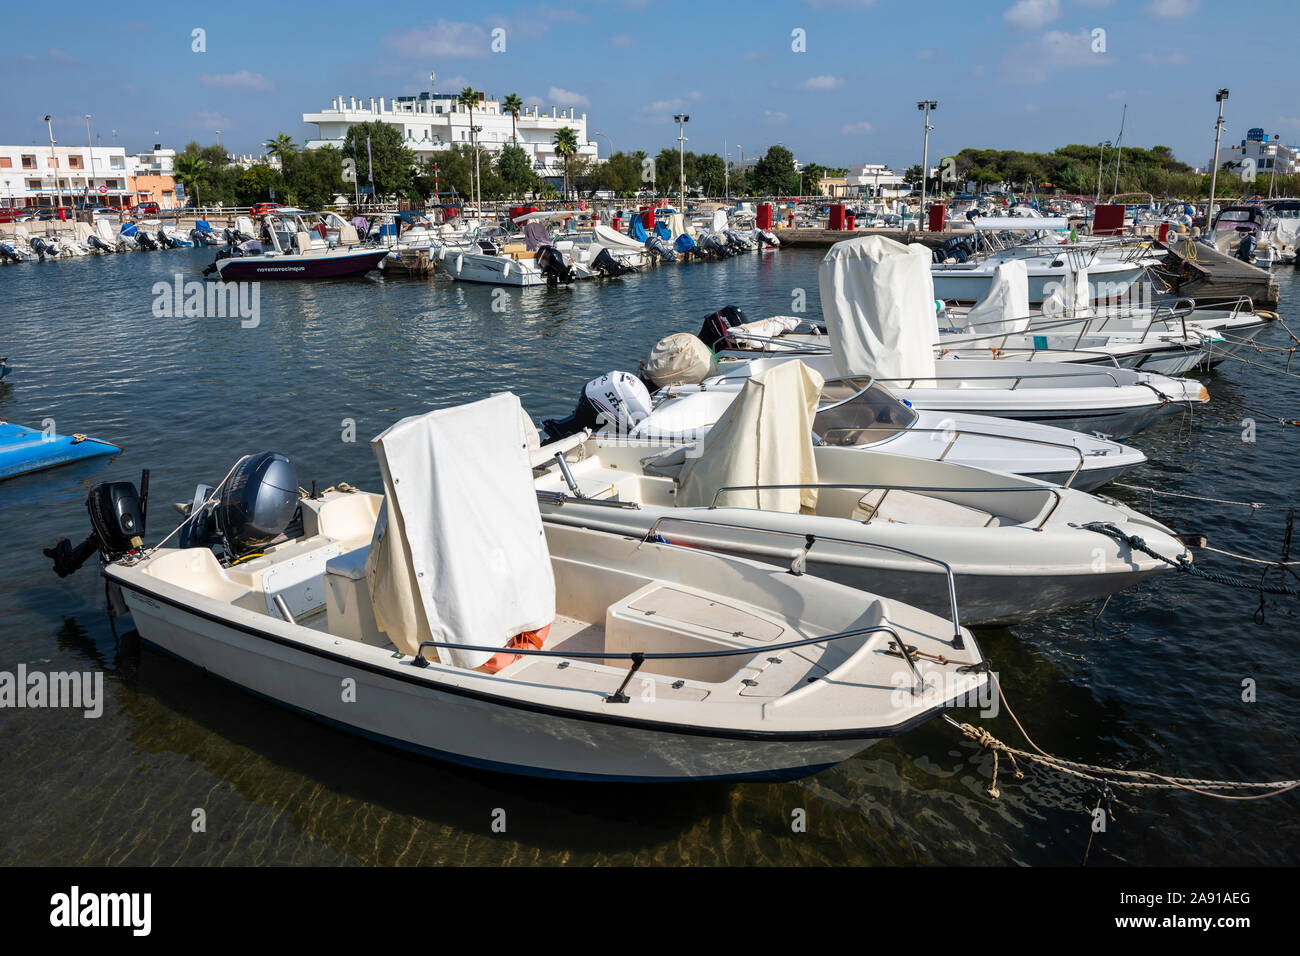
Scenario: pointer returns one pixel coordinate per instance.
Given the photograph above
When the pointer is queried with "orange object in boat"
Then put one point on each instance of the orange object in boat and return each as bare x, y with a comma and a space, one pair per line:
530, 639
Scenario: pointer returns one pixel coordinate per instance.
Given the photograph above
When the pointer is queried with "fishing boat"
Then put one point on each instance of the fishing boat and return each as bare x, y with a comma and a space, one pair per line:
443, 617
756, 485
24, 450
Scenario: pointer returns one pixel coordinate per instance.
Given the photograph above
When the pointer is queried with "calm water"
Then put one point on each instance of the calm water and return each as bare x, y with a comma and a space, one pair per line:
1155, 684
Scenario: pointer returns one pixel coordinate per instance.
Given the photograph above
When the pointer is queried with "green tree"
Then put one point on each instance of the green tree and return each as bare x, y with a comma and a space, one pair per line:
710, 174
313, 177
774, 173
188, 170
516, 172
393, 162
280, 146
259, 183
513, 105
566, 146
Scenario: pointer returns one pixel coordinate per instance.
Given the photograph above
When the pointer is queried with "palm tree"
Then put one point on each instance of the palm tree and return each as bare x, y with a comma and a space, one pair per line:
512, 104
468, 98
281, 146
566, 145
187, 169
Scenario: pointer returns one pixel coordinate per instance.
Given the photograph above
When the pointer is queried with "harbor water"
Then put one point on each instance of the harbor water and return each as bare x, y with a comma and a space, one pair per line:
1176, 675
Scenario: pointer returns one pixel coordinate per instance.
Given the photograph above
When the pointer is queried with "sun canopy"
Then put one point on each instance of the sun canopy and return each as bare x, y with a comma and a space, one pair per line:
878, 302
763, 438
1005, 306
1020, 223
458, 553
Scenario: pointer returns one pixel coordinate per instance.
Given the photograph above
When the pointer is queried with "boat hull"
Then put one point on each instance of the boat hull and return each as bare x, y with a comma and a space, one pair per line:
454, 724
331, 266
24, 450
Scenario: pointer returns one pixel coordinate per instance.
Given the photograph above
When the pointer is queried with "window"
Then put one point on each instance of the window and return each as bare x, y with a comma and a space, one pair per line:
29, 162
6, 162
74, 162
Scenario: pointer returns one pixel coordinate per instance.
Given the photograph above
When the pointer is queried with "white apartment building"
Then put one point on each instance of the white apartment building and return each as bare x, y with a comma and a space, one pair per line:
433, 122
153, 162
1263, 151
39, 175
874, 179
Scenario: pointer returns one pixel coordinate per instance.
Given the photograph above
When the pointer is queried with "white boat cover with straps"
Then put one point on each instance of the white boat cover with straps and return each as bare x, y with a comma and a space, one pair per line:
1005, 307
763, 438
878, 303
459, 554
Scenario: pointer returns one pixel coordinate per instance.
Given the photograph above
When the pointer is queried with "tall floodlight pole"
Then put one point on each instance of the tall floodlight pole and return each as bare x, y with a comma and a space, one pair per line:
1101, 153
54, 163
926, 106
681, 119
478, 190
1214, 171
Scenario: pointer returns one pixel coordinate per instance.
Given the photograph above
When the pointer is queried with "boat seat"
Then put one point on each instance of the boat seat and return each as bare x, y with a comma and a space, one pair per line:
349, 612
908, 507
302, 242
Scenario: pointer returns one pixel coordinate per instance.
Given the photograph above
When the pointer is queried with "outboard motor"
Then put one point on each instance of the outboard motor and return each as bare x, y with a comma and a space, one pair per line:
42, 248
738, 242
766, 238
609, 267
145, 241
8, 253
657, 247
1246, 248
618, 399
117, 524
716, 330
551, 263
98, 244
713, 246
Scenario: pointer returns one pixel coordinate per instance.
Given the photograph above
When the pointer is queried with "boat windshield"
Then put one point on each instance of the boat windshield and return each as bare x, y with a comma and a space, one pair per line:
858, 412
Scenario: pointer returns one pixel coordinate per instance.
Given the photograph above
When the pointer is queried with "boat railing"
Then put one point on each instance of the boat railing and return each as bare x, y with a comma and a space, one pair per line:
800, 563
1015, 380
888, 487
959, 433
640, 657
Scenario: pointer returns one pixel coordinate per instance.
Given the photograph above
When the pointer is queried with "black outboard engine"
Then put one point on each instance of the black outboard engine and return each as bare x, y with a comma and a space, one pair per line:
42, 248
551, 263
738, 242
713, 245
619, 399
117, 523
1246, 248
97, 243
609, 267
657, 247
958, 248
145, 241
717, 327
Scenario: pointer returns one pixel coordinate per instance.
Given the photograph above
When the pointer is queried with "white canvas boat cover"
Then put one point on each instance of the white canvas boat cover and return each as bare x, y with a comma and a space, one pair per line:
719, 220
878, 303
763, 438
458, 553
1287, 233
677, 225
1005, 306
105, 232
1071, 298
81, 231
608, 237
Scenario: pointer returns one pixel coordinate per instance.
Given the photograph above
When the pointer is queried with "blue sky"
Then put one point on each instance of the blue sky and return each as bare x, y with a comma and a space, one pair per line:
1032, 74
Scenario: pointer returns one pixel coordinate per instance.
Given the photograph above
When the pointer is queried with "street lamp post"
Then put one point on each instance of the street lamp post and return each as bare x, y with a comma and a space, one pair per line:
91, 150
1214, 172
478, 189
681, 119
607, 139
1277, 154
1101, 152
926, 106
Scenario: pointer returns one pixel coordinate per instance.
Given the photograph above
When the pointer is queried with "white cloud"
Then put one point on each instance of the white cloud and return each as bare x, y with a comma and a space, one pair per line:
1117, 95
1034, 61
824, 82
1032, 14
862, 126
443, 39
622, 41
210, 120
1172, 9
774, 117
561, 97
242, 80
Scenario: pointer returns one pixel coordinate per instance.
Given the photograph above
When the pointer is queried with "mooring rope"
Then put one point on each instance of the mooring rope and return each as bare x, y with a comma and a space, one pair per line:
1252, 505
1105, 776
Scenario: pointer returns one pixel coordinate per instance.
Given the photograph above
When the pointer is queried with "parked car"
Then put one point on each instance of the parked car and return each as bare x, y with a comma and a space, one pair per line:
148, 209
262, 208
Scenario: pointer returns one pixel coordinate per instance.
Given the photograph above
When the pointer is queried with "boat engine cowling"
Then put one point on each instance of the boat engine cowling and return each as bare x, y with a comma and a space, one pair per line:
608, 266
716, 330
617, 399
251, 508
658, 247
551, 263
1246, 248
117, 524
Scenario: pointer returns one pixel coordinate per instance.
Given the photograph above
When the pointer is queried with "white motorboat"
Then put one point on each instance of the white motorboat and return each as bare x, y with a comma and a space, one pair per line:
878, 306
443, 618
756, 485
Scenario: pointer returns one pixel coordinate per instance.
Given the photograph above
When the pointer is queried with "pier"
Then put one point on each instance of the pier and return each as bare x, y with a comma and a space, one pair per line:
1205, 274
